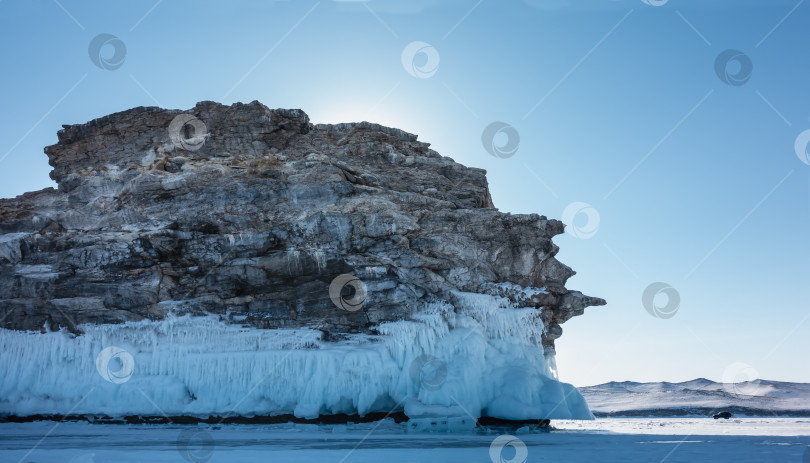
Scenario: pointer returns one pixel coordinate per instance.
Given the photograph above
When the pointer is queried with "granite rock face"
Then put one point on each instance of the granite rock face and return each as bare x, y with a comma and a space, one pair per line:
252, 213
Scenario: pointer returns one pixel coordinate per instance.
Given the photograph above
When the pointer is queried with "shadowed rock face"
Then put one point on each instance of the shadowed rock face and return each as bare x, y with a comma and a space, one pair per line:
257, 220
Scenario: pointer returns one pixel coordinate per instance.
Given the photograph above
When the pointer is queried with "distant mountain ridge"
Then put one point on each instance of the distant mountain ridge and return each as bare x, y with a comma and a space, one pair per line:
698, 397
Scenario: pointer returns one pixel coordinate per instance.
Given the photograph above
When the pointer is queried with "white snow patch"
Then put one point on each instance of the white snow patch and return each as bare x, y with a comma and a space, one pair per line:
10, 246
522, 291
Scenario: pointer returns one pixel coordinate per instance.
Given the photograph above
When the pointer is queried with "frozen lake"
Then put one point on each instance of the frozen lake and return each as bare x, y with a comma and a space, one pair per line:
609, 439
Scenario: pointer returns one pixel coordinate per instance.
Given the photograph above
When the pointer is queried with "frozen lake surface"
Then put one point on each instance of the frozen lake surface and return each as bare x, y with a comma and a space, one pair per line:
609, 439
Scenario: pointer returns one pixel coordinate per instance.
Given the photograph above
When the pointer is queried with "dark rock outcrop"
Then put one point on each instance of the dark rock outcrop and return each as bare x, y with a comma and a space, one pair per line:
253, 216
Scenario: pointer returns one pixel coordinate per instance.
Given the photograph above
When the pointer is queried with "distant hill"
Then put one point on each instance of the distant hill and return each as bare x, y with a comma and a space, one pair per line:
698, 397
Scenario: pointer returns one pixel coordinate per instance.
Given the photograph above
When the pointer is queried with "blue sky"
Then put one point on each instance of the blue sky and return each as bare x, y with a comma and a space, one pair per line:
696, 182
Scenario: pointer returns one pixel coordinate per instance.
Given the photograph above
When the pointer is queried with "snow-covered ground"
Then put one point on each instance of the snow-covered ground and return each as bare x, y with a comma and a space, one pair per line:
699, 426
603, 440
699, 397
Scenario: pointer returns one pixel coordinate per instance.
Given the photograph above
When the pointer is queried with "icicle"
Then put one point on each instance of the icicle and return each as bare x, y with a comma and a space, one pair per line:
477, 356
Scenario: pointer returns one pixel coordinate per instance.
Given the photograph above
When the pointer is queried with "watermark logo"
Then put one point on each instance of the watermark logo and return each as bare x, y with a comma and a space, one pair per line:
741, 379
348, 292
99, 47
187, 132
653, 291
508, 449
428, 372
420, 60
83, 458
115, 365
724, 67
801, 145
505, 149
577, 229
195, 445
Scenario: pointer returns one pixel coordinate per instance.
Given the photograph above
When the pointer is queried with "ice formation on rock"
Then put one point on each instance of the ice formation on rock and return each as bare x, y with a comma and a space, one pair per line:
489, 353
208, 256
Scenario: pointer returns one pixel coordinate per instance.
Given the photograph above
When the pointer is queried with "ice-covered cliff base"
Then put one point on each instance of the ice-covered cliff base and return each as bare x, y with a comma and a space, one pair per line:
477, 357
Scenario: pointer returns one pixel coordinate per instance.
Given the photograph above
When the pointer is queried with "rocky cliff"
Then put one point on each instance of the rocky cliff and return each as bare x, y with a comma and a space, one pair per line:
252, 213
